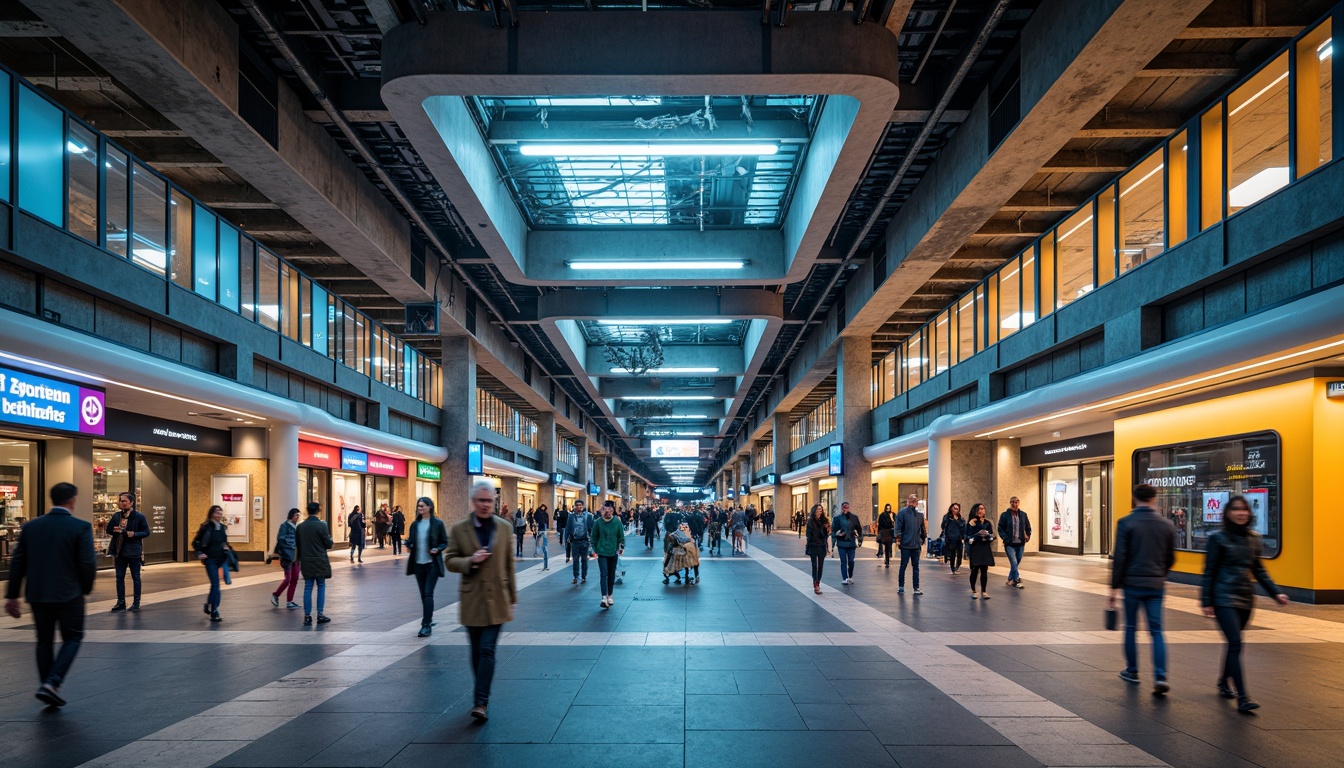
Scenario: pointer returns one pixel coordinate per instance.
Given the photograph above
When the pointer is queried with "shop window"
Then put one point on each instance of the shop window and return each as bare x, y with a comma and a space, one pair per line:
319, 319
1178, 194
1257, 136
229, 273
1315, 131
1073, 257
914, 360
1009, 281
20, 497
4, 136
889, 370
81, 145
117, 212
111, 476
966, 328
1195, 480
205, 254
179, 258
1142, 213
268, 289
41, 156
149, 198
942, 335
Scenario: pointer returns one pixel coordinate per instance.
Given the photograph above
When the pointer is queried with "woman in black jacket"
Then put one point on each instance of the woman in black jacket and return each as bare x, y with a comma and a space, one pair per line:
425, 542
954, 532
980, 549
211, 545
1227, 594
818, 543
886, 533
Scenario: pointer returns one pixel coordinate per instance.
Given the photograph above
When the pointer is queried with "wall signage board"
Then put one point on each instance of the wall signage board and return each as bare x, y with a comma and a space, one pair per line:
557, 478
1334, 390
835, 460
770, 479
386, 466
140, 429
354, 461
427, 471
232, 492
318, 455
475, 458
1075, 449
593, 490
29, 400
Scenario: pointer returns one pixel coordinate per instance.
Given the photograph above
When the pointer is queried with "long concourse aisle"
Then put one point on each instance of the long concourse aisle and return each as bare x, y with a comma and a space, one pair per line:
745, 668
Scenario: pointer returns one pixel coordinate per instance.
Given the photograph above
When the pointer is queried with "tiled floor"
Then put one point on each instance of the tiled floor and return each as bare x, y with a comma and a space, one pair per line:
746, 668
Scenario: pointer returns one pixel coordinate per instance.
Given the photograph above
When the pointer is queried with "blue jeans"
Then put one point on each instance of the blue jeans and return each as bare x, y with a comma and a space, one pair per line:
545, 550
846, 561
1014, 553
212, 566
308, 596
908, 555
1151, 600
579, 548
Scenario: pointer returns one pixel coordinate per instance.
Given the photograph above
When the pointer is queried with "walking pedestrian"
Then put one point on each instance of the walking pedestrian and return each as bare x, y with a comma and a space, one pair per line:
1015, 530
649, 520
1145, 550
886, 533
980, 548
128, 529
287, 551
577, 538
425, 543
1227, 594
818, 546
312, 540
716, 537
739, 532
488, 589
382, 520
396, 529
519, 529
799, 522
953, 530
543, 520
911, 532
355, 523
211, 545
55, 556
608, 542
561, 521
847, 533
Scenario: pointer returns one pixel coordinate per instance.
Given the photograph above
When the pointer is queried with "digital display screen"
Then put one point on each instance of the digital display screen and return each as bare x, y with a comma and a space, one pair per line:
674, 449
835, 460
475, 458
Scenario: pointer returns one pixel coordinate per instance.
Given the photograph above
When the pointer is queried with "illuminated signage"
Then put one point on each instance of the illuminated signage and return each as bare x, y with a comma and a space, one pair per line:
674, 449
557, 478
835, 460
354, 461
386, 465
593, 490
475, 458
425, 471
37, 401
1334, 389
770, 479
1059, 451
318, 455
140, 429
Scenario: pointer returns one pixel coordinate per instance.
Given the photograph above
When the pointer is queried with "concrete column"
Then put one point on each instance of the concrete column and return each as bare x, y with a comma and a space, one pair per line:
282, 474
508, 493
70, 460
853, 417
546, 437
1012, 479
814, 496
972, 474
459, 424
940, 479
581, 472
600, 476
783, 493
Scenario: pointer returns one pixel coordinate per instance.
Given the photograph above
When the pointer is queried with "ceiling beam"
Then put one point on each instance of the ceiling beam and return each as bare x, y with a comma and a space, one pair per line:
262, 223
1089, 161
515, 131
1042, 202
26, 28
1191, 65
1005, 228
1239, 32
1131, 125
231, 197
352, 115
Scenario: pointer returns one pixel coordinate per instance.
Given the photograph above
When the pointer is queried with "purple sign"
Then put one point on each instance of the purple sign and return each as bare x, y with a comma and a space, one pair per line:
92, 411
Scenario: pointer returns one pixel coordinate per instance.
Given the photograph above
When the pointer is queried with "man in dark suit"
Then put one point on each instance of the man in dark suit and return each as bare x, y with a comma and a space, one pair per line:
128, 529
55, 554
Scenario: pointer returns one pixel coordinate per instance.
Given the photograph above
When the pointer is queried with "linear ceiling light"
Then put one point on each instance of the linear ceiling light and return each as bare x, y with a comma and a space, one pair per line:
667, 321
669, 397
648, 149
670, 370
645, 266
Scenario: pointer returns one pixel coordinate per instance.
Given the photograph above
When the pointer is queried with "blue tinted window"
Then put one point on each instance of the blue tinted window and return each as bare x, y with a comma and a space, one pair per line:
205, 264
321, 315
4, 136
228, 267
41, 152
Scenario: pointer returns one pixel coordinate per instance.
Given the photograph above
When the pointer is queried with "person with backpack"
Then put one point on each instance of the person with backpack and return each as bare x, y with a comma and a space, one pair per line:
211, 545
911, 531
847, 533
286, 550
578, 537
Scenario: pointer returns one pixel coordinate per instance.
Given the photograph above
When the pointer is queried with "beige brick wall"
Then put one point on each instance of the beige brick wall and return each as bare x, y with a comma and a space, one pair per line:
199, 470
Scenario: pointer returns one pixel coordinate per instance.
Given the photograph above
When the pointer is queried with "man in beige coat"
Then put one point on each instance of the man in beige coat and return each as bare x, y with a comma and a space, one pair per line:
481, 549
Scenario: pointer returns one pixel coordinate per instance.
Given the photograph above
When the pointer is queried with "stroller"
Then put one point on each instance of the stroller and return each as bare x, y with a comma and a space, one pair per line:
935, 547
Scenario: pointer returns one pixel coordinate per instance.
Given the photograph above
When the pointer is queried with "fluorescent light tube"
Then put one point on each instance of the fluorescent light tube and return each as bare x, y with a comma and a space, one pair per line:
1257, 187
665, 370
669, 397
648, 149
645, 266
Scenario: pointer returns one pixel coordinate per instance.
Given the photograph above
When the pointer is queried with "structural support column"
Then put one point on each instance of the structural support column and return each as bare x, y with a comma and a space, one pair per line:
508, 494
282, 474
459, 424
940, 480
853, 421
783, 493
600, 477
546, 439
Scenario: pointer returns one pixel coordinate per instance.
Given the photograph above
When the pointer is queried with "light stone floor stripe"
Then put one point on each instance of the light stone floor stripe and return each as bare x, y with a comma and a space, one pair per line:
1048, 732
204, 739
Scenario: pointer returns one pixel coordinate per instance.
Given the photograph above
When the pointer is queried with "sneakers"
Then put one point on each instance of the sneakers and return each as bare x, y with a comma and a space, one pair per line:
135, 608
215, 617
602, 603
478, 713
424, 632
900, 590
1224, 691
118, 607
1018, 584
323, 619
975, 595
1244, 704
47, 695
918, 591
307, 619
275, 600
1160, 687
1130, 677
291, 605
984, 595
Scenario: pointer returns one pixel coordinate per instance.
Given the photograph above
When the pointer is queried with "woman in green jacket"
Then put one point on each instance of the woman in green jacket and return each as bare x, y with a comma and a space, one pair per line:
608, 544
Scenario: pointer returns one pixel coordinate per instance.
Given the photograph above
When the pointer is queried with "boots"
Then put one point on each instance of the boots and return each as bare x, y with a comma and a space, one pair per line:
816, 587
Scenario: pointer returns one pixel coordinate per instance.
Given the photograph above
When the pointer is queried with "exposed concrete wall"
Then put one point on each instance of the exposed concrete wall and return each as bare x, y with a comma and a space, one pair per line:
852, 403
459, 424
973, 464
1012, 479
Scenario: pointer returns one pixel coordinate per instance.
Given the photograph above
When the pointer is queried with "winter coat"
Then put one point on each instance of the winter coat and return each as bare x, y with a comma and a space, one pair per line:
954, 528
1232, 560
489, 590
312, 540
980, 549
818, 536
437, 539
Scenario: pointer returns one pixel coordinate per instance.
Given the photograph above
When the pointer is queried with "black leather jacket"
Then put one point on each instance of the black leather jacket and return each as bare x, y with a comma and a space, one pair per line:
1230, 562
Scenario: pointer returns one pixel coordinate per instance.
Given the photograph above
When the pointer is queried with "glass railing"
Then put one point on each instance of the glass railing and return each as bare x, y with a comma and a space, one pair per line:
763, 456
503, 419
71, 176
1269, 131
569, 452
818, 422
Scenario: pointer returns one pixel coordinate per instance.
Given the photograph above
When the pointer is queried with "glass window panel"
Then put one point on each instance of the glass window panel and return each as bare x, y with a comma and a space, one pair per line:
1073, 256
228, 266
205, 255
305, 311
1029, 287
942, 334
118, 210
966, 328
1211, 167
41, 155
4, 136
361, 343
1046, 271
914, 361
889, 375
1315, 132
1257, 136
318, 309
992, 310
1178, 196
247, 277
82, 195
179, 261
289, 301
149, 240
350, 353
1106, 252
1010, 298
1142, 213
268, 289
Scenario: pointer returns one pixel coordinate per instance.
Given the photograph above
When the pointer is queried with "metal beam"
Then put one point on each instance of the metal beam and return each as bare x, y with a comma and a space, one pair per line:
515, 131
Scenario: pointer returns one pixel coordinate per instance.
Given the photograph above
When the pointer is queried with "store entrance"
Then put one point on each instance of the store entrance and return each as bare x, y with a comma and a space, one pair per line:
1075, 513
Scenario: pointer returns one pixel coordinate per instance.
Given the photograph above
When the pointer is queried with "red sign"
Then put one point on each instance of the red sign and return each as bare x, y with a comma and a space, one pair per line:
386, 465
230, 497
319, 455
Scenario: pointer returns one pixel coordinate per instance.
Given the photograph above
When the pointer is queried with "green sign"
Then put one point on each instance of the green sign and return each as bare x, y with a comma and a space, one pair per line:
424, 471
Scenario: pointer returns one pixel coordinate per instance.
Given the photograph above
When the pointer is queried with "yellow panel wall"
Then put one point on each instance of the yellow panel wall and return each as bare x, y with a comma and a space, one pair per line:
888, 481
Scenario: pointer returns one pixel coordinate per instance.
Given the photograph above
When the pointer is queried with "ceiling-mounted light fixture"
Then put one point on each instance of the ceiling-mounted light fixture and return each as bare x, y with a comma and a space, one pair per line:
667, 321
668, 397
649, 149
645, 266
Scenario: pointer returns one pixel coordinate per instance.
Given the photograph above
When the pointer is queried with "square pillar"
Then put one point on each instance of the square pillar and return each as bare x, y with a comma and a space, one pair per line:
783, 493
459, 425
508, 494
853, 419
546, 491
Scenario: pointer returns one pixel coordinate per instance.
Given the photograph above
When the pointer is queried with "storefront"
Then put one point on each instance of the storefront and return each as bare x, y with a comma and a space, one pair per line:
355, 478
427, 477
1075, 492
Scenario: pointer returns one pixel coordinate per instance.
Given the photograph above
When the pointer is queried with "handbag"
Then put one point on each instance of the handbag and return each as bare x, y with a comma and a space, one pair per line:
1111, 619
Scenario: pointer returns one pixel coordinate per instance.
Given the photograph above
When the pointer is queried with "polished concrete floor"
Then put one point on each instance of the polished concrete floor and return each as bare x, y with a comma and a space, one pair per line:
746, 668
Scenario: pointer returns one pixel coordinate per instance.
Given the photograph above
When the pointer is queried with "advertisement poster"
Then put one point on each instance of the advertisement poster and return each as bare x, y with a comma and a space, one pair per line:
1214, 501
232, 493
1259, 501
1061, 508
